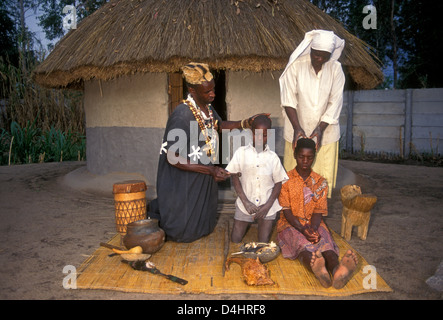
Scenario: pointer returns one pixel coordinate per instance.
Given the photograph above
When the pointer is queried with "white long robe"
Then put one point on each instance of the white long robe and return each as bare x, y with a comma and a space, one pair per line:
315, 97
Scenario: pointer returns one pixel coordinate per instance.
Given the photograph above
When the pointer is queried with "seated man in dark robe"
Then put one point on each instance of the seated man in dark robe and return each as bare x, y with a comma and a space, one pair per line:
187, 190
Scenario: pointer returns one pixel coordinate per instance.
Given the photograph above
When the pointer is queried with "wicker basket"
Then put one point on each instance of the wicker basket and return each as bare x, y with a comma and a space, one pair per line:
130, 203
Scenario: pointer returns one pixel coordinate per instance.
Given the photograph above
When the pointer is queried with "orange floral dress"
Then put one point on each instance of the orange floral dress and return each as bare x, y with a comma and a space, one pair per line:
304, 198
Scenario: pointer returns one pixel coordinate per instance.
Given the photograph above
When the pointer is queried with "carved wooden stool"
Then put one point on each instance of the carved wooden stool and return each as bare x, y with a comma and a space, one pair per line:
356, 211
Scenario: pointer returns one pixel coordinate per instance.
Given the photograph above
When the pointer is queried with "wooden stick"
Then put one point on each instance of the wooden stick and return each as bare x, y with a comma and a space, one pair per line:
226, 248
110, 246
10, 150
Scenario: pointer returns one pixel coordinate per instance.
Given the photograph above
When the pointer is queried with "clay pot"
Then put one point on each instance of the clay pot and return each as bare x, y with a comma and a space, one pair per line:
146, 234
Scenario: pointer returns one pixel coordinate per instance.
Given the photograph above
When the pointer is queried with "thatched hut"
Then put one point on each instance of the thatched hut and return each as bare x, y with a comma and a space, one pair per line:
127, 55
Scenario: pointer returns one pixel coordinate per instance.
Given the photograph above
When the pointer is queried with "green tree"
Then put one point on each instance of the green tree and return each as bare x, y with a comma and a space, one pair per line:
350, 14
408, 36
52, 18
421, 41
9, 54
8, 36
18, 9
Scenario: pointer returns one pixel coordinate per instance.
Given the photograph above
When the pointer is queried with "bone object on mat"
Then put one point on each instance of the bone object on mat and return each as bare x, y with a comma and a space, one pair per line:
266, 252
356, 211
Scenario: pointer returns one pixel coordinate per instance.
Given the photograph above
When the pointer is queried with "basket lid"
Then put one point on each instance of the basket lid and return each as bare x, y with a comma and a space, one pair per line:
129, 186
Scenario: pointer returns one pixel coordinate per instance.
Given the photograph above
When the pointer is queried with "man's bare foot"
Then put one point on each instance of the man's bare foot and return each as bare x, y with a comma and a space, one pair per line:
319, 269
345, 269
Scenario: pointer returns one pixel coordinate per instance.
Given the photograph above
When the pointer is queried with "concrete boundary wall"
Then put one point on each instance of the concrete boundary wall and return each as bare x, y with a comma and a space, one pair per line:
400, 122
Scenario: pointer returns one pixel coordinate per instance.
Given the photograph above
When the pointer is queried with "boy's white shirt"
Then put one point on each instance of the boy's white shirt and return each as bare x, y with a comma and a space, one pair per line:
260, 171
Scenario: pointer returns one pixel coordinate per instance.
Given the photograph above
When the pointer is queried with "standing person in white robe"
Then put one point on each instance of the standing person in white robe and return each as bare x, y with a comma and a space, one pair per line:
311, 93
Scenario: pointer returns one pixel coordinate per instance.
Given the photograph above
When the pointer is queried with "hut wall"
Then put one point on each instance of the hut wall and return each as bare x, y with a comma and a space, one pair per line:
125, 120
249, 93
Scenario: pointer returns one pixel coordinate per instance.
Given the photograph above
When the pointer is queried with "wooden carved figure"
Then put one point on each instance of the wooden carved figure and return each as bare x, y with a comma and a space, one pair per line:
356, 211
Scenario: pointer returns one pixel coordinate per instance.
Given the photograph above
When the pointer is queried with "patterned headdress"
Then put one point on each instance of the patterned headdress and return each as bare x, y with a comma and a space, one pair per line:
196, 73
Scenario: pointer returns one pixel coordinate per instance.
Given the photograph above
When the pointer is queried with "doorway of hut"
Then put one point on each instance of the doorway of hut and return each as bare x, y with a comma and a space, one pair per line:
177, 92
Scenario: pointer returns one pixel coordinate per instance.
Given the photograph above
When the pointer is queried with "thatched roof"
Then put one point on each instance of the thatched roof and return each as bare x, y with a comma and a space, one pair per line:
131, 36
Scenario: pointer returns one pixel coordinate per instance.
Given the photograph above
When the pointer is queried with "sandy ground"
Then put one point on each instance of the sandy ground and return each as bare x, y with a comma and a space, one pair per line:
47, 225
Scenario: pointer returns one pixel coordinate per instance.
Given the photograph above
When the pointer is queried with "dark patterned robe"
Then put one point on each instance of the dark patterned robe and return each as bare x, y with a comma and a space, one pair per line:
187, 201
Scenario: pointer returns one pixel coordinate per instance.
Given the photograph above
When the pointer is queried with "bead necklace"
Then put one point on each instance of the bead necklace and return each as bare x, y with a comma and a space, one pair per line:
201, 123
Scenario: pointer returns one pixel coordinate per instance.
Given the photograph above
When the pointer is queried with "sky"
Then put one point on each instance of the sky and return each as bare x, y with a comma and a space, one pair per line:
32, 23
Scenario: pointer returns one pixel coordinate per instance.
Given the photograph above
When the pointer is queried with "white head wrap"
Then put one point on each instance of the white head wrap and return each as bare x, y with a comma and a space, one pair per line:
322, 40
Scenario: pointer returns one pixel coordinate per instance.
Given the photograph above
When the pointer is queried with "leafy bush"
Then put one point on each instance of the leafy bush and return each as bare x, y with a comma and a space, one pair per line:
38, 124
62, 146
25, 146
31, 145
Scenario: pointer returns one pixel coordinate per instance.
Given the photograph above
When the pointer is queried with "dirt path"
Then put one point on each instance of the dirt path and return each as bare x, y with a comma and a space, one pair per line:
46, 226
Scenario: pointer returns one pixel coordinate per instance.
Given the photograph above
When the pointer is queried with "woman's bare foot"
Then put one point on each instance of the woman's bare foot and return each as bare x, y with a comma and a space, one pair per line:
319, 269
345, 269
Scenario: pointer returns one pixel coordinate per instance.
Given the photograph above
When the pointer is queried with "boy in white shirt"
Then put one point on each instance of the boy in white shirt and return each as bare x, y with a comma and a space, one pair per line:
258, 187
